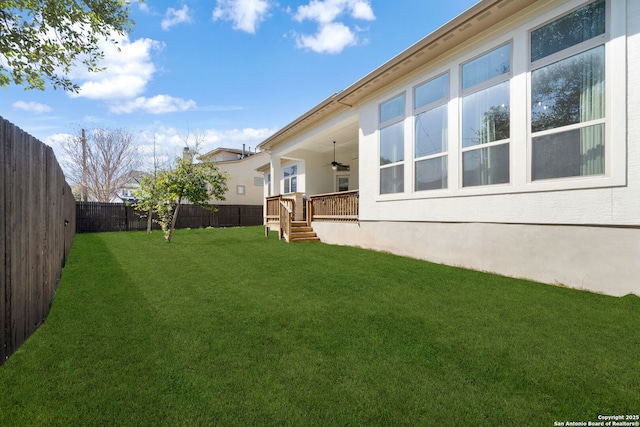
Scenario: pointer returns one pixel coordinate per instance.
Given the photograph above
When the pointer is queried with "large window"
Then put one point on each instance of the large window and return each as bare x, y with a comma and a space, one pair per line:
531, 110
291, 179
392, 115
568, 95
431, 124
486, 118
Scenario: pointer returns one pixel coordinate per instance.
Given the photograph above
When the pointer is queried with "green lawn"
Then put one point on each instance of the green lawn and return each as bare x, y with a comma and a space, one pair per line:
226, 327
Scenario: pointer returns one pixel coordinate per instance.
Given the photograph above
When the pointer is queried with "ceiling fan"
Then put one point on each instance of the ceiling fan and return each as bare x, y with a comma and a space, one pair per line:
334, 164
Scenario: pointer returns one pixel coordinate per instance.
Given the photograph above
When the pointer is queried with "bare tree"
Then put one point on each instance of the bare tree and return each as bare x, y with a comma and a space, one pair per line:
101, 161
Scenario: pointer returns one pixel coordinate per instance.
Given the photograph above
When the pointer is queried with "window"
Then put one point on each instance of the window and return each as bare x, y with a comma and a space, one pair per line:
290, 179
241, 190
539, 107
342, 183
258, 181
267, 182
431, 123
392, 115
568, 95
486, 118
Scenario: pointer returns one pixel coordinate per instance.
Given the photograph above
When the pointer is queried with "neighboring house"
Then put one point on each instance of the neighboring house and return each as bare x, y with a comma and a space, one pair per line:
245, 182
507, 140
125, 193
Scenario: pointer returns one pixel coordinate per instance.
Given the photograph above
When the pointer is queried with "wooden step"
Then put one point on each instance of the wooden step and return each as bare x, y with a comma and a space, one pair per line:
295, 239
302, 232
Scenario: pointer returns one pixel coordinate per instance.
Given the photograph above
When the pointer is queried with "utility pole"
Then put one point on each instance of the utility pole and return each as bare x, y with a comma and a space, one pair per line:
85, 192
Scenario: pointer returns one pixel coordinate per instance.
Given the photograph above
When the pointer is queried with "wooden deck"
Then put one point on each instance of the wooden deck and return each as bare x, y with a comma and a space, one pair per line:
336, 207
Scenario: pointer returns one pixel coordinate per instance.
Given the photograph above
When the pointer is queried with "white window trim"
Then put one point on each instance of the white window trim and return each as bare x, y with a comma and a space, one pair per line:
407, 121
615, 112
285, 178
422, 109
506, 77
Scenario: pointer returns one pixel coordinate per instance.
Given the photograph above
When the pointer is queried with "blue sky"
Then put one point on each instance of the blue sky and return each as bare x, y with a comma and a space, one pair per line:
231, 71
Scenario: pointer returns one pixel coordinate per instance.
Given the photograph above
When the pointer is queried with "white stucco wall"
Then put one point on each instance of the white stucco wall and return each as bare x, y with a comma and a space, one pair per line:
611, 200
597, 259
243, 172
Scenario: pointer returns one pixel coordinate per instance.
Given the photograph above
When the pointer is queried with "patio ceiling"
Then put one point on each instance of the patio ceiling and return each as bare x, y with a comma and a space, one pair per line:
344, 133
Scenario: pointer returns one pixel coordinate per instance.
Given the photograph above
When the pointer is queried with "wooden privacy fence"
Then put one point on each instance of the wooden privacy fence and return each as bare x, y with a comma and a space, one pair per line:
37, 226
97, 217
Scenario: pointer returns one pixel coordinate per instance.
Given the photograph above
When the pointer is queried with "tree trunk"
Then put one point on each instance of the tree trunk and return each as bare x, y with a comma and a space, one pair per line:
173, 220
149, 221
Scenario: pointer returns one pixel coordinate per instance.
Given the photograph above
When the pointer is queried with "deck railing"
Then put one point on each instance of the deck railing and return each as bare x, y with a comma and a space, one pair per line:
337, 207
279, 211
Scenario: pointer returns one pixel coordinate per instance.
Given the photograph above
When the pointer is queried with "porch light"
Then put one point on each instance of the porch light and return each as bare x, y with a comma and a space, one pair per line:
334, 167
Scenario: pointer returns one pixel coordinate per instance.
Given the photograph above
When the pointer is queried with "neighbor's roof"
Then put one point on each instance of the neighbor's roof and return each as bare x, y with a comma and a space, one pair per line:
470, 23
225, 150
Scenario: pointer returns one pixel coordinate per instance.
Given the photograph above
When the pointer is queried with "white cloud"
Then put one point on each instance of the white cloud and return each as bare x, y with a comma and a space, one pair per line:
234, 138
56, 140
327, 11
169, 141
32, 106
176, 16
128, 70
144, 7
158, 104
246, 15
363, 10
331, 38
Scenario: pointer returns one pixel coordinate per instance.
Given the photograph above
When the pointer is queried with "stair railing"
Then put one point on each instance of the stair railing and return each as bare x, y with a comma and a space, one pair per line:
286, 217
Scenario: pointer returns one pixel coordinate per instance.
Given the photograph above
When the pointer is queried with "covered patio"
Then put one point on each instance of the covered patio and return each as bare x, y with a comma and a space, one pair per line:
314, 176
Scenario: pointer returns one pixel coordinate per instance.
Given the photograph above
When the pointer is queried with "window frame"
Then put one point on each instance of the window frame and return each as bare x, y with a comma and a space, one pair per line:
398, 164
475, 89
423, 109
292, 177
267, 183
600, 40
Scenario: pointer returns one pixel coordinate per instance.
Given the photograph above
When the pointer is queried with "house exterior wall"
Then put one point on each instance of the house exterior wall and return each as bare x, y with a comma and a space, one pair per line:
243, 173
582, 232
597, 259
315, 175
601, 200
